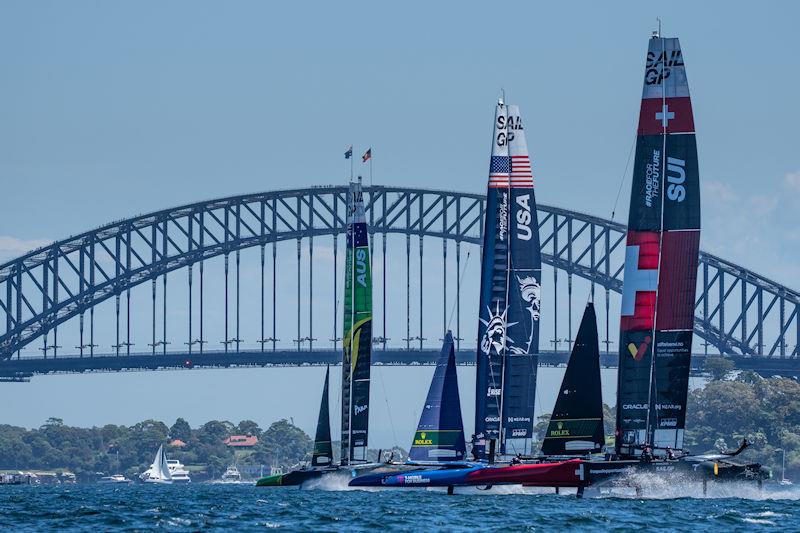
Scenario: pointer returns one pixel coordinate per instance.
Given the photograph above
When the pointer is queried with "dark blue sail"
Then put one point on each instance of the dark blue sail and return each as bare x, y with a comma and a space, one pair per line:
440, 433
508, 328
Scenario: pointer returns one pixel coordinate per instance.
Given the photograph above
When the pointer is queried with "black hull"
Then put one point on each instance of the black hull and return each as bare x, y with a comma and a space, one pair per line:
698, 469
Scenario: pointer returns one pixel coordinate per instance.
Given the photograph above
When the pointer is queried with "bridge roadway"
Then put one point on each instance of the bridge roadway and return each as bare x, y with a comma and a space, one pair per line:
24, 368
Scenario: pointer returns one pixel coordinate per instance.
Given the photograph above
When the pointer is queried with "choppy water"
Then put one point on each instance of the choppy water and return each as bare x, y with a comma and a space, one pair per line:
245, 507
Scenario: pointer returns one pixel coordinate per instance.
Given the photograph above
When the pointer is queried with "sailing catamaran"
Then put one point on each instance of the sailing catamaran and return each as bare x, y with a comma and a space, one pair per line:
159, 470
357, 349
657, 316
321, 457
439, 439
508, 329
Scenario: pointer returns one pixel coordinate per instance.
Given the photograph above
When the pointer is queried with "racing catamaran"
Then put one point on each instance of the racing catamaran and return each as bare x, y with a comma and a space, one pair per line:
508, 329
357, 349
663, 240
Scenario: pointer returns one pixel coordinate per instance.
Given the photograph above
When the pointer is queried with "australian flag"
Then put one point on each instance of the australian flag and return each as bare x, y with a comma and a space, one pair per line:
349, 153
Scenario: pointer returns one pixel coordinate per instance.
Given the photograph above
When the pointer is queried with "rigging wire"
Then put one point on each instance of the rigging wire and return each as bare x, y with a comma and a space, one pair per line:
388, 410
460, 281
624, 177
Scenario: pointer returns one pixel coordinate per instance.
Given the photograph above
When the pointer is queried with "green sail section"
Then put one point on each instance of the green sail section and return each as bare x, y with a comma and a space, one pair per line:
357, 337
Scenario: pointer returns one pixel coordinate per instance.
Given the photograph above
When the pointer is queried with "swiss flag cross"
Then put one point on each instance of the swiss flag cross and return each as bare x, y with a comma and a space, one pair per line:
673, 113
640, 281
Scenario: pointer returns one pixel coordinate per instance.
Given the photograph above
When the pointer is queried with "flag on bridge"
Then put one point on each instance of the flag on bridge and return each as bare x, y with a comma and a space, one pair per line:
367, 156
349, 153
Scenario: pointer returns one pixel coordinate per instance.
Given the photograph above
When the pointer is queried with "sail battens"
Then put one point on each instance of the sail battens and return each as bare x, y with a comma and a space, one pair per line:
660, 272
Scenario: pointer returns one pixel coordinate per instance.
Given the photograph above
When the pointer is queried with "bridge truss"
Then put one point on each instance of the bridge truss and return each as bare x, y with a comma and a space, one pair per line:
738, 312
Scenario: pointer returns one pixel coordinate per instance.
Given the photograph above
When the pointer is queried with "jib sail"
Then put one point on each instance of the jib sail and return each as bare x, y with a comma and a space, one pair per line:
576, 425
323, 451
440, 433
357, 338
661, 256
510, 291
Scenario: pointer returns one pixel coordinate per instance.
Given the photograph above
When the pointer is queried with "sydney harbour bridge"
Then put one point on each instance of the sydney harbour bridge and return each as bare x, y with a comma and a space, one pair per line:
83, 285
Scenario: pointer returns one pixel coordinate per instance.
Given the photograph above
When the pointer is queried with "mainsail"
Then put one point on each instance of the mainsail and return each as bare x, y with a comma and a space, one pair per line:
440, 433
357, 338
510, 291
576, 425
661, 256
323, 451
523, 295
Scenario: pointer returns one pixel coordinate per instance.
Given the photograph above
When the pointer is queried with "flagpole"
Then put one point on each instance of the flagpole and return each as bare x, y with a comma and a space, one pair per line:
351, 162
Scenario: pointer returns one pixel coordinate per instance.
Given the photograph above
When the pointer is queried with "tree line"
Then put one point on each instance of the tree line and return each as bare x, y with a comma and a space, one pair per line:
729, 407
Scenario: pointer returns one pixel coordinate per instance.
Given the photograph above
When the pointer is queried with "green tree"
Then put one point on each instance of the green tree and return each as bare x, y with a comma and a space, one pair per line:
248, 427
718, 367
180, 430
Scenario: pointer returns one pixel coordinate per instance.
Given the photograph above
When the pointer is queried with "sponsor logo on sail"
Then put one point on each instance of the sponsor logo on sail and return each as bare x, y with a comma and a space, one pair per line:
502, 217
491, 419
519, 433
633, 406
637, 352
559, 431
358, 409
423, 440
652, 179
668, 423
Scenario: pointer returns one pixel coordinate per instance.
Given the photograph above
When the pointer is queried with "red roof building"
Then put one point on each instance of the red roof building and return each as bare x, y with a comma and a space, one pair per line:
177, 443
241, 441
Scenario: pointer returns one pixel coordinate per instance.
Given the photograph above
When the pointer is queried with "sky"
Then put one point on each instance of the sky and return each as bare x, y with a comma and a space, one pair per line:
110, 109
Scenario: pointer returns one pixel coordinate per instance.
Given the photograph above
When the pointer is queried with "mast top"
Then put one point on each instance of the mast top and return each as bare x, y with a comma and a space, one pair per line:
502, 100
657, 33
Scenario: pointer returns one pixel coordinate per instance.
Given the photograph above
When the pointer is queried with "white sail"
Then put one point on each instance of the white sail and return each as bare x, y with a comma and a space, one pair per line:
158, 471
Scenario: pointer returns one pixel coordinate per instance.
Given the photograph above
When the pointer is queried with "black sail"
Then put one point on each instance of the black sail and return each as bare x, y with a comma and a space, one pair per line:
323, 451
576, 425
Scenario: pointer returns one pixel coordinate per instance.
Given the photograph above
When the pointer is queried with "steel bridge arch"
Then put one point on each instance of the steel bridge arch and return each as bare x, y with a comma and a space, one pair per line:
50, 285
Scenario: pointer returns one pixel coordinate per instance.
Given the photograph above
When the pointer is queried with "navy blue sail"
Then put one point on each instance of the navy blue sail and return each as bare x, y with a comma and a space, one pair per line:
510, 295
440, 433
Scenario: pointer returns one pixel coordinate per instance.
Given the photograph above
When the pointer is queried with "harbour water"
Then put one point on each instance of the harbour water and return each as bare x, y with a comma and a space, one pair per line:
245, 507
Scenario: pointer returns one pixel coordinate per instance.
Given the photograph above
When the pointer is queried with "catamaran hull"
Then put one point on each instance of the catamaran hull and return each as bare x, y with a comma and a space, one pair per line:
298, 478
558, 474
624, 472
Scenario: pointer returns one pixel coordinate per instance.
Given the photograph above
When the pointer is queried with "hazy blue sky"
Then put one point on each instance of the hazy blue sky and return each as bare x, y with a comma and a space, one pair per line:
109, 109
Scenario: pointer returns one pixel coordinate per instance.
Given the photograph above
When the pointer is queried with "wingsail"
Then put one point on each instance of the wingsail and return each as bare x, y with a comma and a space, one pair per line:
508, 328
440, 432
576, 425
357, 338
660, 276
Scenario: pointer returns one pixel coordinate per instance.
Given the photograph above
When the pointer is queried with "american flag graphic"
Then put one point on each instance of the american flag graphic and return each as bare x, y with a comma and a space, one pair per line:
521, 175
499, 169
